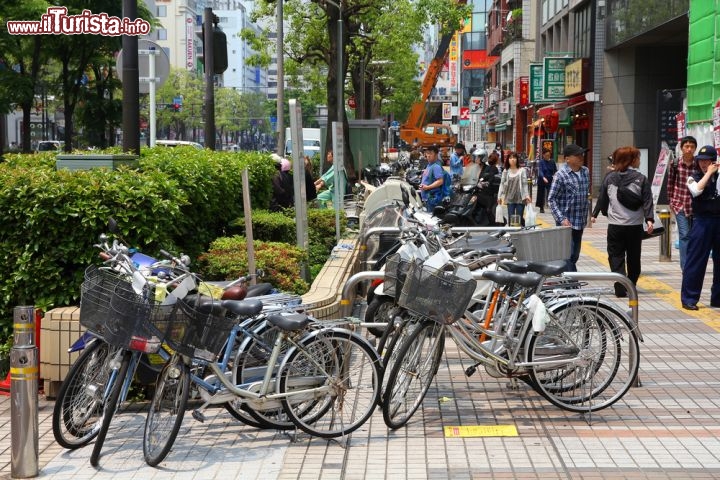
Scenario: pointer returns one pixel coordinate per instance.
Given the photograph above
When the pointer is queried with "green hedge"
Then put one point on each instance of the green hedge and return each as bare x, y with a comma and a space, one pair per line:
227, 259
178, 199
278, 227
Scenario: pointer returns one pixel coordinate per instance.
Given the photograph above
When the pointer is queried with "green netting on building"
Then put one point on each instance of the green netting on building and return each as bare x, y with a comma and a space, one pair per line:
703, 77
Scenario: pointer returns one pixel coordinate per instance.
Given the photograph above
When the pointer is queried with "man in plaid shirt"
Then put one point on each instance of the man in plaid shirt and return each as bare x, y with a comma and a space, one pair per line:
568, 198
679, 194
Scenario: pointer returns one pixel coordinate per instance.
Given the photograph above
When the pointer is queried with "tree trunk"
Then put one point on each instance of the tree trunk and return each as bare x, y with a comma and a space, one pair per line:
332, 91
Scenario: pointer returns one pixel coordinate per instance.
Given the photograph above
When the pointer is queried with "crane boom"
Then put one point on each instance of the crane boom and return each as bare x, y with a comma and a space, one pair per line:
412, 130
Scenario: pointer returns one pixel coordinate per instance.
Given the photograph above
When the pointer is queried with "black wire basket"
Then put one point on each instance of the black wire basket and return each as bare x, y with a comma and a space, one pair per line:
111, 309
200, 329
439, 295
396, 269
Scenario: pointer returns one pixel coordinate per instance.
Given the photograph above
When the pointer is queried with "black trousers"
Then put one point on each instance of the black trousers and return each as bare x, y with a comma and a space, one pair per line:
624, 245
543, 189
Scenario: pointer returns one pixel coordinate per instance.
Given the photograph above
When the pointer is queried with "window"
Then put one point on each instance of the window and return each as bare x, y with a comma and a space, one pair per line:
161, 34
161, 11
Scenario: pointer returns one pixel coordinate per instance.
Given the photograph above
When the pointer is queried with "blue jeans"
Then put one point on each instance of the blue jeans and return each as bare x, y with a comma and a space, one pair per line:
575, 245
683, 226
516, 209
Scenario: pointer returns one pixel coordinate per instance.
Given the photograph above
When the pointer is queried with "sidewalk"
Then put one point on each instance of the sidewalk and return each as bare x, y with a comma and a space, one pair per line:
668, 428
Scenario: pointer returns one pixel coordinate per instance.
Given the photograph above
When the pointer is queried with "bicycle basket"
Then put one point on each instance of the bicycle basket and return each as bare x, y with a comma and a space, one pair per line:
199, 331
439, 295
396, 269
111, 309
542, 244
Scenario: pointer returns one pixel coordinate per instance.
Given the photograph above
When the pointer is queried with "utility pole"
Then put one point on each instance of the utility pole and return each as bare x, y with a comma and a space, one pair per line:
130, 84
280, 82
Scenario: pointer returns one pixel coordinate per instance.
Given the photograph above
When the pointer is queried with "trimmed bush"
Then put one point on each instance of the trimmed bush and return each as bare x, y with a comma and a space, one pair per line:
179, 200
227, 259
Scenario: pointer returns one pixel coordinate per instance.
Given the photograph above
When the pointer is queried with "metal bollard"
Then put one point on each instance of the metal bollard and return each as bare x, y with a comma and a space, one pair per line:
23, 395
665, 250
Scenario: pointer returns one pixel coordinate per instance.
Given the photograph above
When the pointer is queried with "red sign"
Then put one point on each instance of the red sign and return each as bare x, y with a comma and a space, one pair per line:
464, 113
524, 89
476, 59
351, 102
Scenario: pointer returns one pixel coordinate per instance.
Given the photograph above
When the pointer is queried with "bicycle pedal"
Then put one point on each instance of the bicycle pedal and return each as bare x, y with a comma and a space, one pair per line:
199, 416
470, 371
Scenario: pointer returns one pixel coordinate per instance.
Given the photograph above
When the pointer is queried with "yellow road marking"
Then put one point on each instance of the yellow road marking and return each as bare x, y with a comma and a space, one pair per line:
481, 431
661, 290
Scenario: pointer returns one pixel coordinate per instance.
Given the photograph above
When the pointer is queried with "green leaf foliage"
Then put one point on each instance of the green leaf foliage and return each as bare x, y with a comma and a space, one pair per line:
227, 259
179, 199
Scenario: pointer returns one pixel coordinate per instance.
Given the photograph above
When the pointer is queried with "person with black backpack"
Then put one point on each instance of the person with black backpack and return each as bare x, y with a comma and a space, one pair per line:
626, 199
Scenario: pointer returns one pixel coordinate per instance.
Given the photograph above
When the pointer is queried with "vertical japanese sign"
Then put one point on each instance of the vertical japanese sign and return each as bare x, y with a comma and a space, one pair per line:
681, 125
716, 124
189, 44
447, 111
453, 58
554, 77
536, 83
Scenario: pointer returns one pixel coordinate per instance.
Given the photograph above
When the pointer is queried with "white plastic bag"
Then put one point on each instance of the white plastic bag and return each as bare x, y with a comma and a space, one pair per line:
530, 216
537, 312
499, 214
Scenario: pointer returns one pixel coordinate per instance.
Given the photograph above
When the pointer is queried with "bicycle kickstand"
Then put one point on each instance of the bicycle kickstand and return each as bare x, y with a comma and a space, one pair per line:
199, 413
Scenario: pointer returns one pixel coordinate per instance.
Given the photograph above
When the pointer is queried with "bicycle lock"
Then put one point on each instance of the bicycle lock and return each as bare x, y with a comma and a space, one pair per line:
24, 395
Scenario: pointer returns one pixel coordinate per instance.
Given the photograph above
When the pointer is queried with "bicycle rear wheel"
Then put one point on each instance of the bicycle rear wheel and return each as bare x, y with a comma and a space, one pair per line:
166, 410
591, 354
330, 383
410, 377
78, 406
115, 384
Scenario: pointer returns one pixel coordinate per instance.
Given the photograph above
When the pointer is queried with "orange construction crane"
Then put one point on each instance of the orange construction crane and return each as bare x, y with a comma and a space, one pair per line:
414, 128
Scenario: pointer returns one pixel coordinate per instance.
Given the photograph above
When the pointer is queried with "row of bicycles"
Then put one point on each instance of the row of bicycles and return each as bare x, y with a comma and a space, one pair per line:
519, 319
268, 363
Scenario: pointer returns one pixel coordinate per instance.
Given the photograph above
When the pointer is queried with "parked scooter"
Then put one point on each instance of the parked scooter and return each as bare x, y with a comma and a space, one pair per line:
471, 205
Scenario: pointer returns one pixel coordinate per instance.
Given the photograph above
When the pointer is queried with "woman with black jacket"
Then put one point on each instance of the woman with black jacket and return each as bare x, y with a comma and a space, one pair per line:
626, 199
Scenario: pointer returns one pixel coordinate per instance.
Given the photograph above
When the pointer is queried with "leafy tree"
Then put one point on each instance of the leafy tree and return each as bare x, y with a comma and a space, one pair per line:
21, 60
373, 30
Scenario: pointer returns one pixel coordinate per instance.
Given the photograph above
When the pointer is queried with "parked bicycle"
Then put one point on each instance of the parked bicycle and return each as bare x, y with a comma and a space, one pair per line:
577, 350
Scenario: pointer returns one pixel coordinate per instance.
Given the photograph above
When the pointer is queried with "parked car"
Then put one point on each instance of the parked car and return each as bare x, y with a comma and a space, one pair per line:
178, 143
50, 145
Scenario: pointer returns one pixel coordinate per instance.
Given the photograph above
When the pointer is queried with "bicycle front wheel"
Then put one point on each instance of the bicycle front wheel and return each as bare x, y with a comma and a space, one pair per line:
330, 383
586, 359
166, 410
412, 372
115, 386
78, 406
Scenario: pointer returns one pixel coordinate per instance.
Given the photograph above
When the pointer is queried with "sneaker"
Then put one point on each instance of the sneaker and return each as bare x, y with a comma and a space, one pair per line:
715, 304
690, 307
542, 210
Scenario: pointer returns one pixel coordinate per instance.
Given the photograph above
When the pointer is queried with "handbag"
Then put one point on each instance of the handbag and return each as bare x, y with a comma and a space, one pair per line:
530, 216
499, 215
658, 229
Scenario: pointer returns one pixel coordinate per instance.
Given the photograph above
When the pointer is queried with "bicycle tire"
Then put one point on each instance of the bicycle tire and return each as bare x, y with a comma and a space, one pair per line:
110, 406
345, 368
389, 354
378, 311
599, 374
77, 411
418, 361
167, 410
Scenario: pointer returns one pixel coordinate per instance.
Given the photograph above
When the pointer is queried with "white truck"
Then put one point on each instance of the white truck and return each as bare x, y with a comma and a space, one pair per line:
311, 142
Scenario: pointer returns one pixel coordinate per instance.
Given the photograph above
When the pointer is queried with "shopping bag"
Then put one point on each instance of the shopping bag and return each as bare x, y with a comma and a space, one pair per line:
530, 216
499, 215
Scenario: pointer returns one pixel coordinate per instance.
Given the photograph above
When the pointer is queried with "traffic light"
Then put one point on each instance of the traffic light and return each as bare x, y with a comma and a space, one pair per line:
176, 107
220, 56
